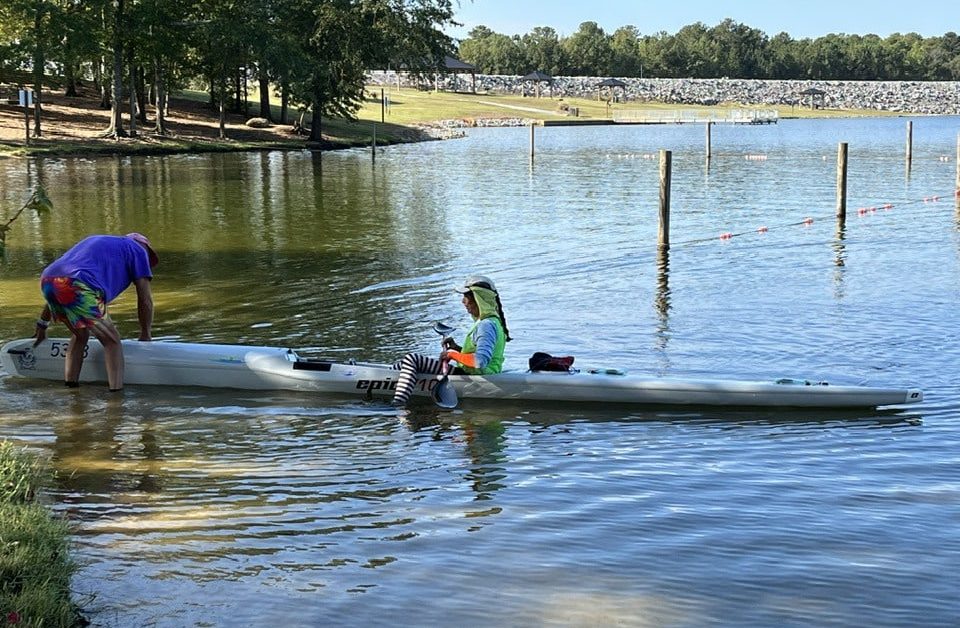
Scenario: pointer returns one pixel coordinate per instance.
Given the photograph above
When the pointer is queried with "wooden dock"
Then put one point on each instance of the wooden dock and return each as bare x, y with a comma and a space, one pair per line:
688, 116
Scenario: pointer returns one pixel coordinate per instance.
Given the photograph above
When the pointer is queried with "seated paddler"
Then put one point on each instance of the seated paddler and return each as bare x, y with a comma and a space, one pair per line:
483, 347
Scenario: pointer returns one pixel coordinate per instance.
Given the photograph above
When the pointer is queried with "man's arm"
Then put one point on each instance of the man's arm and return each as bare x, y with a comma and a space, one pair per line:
144, 307
42, 323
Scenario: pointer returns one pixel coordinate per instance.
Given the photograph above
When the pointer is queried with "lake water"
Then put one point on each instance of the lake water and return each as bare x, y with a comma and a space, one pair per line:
227, 508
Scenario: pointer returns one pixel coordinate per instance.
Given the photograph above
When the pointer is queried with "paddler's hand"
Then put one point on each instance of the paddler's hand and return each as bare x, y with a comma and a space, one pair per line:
449, 343
40, 334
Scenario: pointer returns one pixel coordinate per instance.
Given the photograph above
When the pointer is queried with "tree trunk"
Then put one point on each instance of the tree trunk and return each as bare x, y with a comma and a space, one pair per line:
103, 84
223, 114
141, 96
236, 92
246, 95
160, 91
284, 102
38, 62
116, 103
265, 97
132, 72
316, 132
70, 78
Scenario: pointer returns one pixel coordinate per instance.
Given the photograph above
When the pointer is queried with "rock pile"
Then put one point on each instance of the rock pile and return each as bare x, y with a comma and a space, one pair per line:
941, 98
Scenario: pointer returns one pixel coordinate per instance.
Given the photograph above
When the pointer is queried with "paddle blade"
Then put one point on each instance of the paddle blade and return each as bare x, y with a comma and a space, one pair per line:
444, 394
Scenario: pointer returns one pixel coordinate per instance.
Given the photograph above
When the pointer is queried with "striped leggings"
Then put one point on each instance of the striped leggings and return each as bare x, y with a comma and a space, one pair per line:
410, 366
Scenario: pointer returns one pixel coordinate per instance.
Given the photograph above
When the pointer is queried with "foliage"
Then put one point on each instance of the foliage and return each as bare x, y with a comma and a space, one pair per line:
729, 49
588, 48
38, 202
342, 39
35, 567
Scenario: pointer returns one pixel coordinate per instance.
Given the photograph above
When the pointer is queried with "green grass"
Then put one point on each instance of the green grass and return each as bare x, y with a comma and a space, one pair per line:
337, 131
35, 566
409, 106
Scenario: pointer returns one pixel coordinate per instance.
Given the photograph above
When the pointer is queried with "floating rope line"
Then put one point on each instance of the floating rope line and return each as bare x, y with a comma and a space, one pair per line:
808, 221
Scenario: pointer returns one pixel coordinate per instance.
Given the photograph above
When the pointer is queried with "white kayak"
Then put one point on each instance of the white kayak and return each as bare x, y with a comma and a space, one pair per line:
276, 368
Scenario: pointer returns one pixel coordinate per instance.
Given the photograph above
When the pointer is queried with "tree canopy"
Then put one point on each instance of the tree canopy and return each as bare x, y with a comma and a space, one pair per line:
729, 49
314, 52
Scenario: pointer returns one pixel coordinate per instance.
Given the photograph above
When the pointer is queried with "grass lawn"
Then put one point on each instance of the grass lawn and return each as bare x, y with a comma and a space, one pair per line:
35, 566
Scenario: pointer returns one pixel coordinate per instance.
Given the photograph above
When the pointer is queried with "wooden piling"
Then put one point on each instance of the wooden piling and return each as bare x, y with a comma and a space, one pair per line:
841, 184
383, 106
709, 154
531, 141
373, 146
666, 169
909, 143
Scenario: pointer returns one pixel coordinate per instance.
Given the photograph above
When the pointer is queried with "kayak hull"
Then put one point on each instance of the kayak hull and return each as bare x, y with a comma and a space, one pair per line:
278, 368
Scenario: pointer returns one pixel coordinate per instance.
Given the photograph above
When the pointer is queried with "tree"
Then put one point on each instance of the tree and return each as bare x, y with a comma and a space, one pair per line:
737, 49
541, 50
780, 60
494, 53
340, 39
625, 52
589, 51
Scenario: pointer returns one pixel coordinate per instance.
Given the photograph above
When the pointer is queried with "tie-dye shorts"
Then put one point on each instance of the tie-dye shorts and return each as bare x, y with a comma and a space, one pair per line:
73, 302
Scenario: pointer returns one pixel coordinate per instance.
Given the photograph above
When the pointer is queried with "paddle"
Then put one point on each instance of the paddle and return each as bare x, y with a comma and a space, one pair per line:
443, 393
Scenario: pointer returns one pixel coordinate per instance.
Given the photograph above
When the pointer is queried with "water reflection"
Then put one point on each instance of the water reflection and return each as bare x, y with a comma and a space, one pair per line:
661, 304
839, 262
92, 441
483, 440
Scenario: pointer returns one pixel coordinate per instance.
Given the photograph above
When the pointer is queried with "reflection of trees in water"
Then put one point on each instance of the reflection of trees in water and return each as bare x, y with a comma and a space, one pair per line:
89, 450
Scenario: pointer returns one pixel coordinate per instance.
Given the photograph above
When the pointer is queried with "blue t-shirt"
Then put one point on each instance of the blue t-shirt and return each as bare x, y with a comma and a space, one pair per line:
106, 263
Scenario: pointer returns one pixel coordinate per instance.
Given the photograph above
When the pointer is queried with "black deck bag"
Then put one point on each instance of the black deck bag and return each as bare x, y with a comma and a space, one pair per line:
541, 361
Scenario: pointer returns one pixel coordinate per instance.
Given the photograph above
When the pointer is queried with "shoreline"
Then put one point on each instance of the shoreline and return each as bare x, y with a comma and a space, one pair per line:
74, 126
905, 97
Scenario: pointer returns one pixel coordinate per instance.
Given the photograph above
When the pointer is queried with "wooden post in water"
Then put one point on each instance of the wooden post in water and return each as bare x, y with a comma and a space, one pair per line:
957, 185
841, 184
373, 147
531, 141
709, 124
909, 143
383, 106
666, 168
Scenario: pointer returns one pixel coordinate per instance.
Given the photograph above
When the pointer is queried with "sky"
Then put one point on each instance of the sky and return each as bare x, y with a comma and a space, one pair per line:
798, 18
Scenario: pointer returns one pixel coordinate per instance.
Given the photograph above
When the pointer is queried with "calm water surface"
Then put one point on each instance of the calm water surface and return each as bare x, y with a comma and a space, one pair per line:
226, 508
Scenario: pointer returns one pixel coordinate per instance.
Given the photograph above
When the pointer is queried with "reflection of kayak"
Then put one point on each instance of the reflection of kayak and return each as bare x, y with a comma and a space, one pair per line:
273, 368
